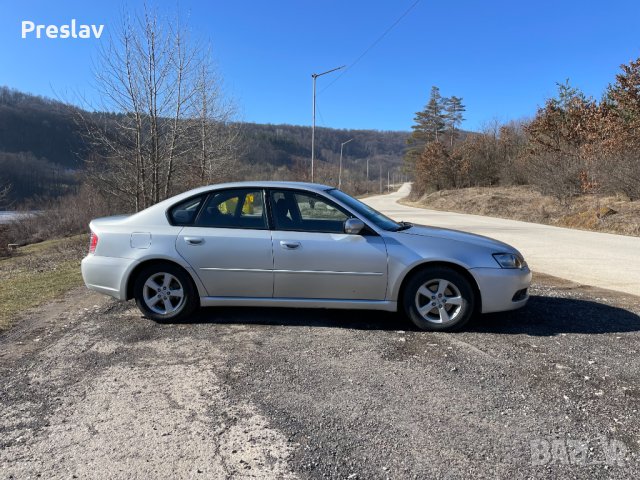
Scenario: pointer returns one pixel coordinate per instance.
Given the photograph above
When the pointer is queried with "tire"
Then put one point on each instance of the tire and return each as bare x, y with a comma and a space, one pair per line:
428, 288
165, 293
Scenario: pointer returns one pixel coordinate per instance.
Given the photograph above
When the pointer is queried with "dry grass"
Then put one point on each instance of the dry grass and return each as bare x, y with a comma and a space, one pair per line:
588, 212
38, 273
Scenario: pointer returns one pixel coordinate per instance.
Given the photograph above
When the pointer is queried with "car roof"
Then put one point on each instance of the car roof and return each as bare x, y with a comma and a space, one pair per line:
274, 184
317, 187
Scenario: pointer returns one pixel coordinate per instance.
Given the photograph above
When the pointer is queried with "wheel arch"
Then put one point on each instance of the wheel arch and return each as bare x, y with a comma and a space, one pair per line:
131, 279
453, 266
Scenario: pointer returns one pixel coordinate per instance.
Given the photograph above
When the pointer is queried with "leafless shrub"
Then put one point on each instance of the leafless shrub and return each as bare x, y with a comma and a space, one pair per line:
62, 217
4, 241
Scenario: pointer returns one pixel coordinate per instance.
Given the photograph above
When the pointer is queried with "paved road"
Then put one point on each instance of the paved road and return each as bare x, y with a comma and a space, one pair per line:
590, 258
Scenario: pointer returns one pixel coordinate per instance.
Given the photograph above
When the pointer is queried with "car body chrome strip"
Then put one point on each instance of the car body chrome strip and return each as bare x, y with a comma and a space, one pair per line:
264, 270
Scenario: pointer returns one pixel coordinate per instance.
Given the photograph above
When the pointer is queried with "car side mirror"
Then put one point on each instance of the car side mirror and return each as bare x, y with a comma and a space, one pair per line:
353, 226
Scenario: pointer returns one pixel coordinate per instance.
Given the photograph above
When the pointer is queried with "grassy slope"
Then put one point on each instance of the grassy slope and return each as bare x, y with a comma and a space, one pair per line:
587, 212
37, 273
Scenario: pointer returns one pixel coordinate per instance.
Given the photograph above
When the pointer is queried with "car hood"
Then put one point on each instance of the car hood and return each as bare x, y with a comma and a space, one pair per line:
458, 236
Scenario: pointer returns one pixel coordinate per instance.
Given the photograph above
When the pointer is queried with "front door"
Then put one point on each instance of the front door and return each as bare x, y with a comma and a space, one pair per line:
313, 257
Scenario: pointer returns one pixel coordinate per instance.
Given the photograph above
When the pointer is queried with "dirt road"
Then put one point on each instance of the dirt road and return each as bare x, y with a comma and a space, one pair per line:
591, 258
92, 390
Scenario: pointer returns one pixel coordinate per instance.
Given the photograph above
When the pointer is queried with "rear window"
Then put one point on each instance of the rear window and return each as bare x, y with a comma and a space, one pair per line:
185, 212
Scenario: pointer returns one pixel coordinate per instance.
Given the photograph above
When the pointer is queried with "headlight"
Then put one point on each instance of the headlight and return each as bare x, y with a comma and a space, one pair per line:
509, 260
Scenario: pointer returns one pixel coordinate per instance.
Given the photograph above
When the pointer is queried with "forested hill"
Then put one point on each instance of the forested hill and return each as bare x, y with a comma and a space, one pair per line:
39, 126
279, 145
40, 146
282, 141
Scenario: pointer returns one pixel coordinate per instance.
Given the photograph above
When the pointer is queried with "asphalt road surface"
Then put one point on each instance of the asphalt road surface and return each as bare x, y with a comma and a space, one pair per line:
90, 389
591, 258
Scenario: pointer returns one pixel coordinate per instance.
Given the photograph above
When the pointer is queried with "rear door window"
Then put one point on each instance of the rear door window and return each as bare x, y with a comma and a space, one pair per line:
238, 208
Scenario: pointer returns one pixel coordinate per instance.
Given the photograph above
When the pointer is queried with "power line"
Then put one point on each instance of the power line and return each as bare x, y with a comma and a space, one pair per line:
322, 121
370, 47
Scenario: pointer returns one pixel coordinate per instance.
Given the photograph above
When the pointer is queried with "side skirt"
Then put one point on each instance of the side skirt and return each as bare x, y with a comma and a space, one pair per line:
384, 305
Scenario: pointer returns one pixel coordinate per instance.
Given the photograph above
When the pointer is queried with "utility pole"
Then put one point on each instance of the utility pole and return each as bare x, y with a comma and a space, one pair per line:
380, 176
388, 182
340, 171
313, 126
367, 174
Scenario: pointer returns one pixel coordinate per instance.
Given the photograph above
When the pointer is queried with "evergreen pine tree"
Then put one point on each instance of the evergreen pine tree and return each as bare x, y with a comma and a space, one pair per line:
454, 109
429, 125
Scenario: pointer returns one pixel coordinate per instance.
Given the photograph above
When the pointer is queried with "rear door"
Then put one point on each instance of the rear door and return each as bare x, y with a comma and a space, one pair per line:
229, 244
315, 259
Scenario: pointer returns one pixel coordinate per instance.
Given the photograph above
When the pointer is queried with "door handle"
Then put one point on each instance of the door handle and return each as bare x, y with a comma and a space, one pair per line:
194, 240
289, 245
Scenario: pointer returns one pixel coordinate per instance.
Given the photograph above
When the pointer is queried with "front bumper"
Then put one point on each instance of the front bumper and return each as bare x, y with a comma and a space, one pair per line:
499, 286
107, 274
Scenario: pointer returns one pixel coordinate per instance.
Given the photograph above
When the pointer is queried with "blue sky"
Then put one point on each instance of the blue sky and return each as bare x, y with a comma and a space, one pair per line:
502, 57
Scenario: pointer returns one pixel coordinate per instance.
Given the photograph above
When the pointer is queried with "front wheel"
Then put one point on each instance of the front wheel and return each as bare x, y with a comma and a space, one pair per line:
439, 298
165, 293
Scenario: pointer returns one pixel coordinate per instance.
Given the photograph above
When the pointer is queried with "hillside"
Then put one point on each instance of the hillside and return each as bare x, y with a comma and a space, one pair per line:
41, 148
595, 212
39, 126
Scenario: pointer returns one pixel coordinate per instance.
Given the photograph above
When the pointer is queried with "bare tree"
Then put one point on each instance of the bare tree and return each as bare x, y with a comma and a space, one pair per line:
218, 139
168, 109
5, 192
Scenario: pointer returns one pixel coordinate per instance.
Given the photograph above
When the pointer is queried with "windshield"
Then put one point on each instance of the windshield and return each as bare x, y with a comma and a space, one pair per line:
365, 211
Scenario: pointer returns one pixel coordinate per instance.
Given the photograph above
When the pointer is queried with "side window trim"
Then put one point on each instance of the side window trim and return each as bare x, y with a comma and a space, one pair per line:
266, 194
200, 210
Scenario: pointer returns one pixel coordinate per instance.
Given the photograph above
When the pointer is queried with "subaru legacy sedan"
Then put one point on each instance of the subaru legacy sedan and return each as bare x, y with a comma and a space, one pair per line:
277, 244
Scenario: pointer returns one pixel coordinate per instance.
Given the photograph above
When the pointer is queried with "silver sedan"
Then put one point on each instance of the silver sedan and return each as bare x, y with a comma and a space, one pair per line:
298, 245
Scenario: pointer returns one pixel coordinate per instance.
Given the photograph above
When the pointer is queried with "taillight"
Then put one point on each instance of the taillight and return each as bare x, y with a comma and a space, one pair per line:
93, 242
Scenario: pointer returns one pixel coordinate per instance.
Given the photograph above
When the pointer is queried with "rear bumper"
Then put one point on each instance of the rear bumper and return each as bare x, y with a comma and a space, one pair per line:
499, 286
107, 274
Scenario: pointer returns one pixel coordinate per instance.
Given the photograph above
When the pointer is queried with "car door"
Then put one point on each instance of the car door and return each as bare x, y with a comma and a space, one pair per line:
314, 258
229, 244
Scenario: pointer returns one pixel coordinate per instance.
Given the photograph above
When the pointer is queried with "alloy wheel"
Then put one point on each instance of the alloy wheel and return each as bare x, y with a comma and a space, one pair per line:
163, 293
439, 301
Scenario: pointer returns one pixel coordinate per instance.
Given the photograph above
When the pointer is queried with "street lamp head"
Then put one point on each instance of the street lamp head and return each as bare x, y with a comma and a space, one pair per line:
314, 75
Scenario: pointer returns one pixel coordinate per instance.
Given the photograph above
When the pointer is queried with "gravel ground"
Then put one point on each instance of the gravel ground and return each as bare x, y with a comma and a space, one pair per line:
92, 390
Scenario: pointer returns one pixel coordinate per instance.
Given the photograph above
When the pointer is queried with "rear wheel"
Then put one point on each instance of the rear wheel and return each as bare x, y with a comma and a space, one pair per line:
164, 292
439, 298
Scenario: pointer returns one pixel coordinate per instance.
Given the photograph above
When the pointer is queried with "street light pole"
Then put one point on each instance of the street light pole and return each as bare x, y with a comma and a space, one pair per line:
313, 126
340, 171
367, 174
